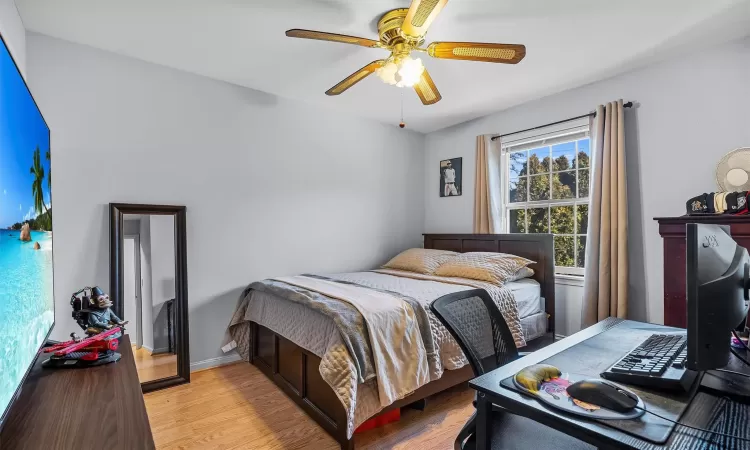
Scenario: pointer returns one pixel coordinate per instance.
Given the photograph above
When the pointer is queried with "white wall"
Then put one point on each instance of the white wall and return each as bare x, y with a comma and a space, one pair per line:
272, 186
568, 295
131, 226
162, 258
13, 33
162, 277
691, 111
147, 303
129, 307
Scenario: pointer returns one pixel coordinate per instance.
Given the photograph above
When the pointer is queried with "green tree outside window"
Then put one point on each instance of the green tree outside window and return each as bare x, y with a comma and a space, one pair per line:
559, 176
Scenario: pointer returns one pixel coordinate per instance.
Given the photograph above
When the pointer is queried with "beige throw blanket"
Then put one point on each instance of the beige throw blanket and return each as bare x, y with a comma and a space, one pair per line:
398, 352
502, 297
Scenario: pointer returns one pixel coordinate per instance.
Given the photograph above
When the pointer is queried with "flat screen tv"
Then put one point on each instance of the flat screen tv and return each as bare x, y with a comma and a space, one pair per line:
27, 311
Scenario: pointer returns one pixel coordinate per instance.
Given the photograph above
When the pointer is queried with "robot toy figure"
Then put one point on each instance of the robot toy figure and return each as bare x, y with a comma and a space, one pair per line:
91, 310
100, 315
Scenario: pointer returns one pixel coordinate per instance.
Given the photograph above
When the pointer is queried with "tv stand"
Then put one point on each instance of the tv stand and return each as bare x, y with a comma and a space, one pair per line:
96, 407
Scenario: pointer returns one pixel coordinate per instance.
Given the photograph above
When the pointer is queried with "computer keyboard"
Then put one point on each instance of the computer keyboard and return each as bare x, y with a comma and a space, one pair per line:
659, 363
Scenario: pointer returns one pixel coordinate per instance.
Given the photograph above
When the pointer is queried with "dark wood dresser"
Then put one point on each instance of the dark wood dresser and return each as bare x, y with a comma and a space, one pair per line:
672, 230
95, 408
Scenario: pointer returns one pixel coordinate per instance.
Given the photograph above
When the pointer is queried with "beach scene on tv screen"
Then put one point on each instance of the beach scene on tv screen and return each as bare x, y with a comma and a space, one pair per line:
26, 300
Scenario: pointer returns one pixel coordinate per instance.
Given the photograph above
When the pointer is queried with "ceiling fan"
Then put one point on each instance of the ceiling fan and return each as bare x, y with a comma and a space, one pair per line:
403, 31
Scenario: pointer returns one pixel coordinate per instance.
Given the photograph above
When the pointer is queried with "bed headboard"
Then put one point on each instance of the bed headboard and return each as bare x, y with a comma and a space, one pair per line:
536, 247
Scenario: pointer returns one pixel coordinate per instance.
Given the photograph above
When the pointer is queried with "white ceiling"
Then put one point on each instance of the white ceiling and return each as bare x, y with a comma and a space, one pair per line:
569, 43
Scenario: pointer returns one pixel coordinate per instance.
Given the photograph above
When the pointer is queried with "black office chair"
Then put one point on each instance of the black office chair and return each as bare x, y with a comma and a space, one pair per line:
477, 324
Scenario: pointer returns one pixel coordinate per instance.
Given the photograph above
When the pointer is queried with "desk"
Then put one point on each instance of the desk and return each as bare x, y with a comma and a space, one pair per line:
703, 411
95, 408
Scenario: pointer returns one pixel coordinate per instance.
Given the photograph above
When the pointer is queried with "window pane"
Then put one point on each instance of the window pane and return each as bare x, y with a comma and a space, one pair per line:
582, 216
564, 184
583, 183
517, 190
563, 156
518, 164
539, 160
564, 251
561, 219
517, 221
539, 187
538, 220
584, 153
581, 257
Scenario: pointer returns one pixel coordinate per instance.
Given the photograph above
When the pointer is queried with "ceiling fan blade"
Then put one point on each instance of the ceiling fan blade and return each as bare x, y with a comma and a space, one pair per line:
478, 51
322, 36
420, 16
426, 89
355, 78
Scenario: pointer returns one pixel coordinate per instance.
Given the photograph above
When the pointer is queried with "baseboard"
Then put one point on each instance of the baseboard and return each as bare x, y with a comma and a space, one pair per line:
150, 350
215, 362
559, 336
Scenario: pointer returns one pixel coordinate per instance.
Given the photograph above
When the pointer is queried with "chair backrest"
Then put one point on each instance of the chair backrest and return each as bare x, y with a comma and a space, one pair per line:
477, 324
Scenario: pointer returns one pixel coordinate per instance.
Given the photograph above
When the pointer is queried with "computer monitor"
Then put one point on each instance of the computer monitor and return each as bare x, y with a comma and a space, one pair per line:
718, 277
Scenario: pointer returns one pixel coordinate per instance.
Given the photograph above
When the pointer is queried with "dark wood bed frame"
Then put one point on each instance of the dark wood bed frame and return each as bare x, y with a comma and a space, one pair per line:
295, 370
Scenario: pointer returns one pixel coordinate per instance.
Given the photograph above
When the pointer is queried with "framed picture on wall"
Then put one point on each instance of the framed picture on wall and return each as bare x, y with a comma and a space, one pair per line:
450, 177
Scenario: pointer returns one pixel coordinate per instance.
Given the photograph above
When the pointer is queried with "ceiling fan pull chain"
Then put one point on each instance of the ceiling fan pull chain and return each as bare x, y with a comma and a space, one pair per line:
402, 124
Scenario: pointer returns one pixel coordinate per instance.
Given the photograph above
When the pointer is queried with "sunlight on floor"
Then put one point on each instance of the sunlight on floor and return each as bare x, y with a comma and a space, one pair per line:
154, 367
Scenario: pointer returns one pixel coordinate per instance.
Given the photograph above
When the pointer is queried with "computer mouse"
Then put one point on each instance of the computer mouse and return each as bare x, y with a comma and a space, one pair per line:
604, 394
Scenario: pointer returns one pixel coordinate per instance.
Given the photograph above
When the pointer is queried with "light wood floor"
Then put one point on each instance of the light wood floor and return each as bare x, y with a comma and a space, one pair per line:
236, 407
154, 367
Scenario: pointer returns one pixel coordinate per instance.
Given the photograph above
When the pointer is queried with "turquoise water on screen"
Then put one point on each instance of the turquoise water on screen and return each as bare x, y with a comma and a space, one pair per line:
26, 305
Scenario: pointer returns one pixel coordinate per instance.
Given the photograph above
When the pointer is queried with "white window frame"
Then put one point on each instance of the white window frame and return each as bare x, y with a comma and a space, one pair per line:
541, 136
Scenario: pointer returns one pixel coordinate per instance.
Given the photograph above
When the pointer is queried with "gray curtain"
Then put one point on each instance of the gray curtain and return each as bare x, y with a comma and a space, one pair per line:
605, 291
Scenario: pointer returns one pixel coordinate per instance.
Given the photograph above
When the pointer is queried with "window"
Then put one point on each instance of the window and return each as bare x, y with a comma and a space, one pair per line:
547, 191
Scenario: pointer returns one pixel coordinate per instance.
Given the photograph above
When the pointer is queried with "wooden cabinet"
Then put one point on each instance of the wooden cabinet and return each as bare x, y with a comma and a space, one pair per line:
672, 231
80, 409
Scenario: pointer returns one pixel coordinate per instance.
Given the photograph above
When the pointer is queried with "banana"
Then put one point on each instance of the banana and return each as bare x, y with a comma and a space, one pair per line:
531, 377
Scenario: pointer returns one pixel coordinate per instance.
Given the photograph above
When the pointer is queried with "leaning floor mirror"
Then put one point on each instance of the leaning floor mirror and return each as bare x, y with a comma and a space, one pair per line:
148, 286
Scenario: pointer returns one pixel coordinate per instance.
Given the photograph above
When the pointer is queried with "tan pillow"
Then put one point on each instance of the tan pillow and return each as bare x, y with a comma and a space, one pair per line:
419, 260
496, 268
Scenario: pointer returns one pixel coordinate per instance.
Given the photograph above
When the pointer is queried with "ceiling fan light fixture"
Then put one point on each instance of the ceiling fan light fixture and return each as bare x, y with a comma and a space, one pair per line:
387, 72
404, 72
410, 71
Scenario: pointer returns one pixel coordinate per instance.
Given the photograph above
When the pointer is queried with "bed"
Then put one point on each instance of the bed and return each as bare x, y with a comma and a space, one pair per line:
302, 352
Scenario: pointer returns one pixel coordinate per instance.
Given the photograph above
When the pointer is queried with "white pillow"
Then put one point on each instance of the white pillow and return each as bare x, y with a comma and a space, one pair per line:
523, 272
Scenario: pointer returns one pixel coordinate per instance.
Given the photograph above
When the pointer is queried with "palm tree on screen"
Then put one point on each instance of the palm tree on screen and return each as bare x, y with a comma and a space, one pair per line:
49, 175
37, 185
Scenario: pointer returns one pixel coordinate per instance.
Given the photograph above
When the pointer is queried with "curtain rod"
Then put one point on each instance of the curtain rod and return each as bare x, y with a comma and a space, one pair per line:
625, 105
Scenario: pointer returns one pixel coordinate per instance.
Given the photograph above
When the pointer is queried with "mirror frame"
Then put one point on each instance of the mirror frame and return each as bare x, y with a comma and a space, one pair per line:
116, 289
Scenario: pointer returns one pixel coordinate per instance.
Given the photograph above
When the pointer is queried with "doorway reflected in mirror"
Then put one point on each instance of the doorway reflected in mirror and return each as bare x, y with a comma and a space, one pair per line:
149, 292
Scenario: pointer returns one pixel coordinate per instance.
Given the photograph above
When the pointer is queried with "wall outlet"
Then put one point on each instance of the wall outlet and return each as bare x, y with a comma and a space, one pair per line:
229, 347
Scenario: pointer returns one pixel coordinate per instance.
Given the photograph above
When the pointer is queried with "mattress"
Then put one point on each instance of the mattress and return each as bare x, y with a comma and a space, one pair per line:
528, 295
534, 326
